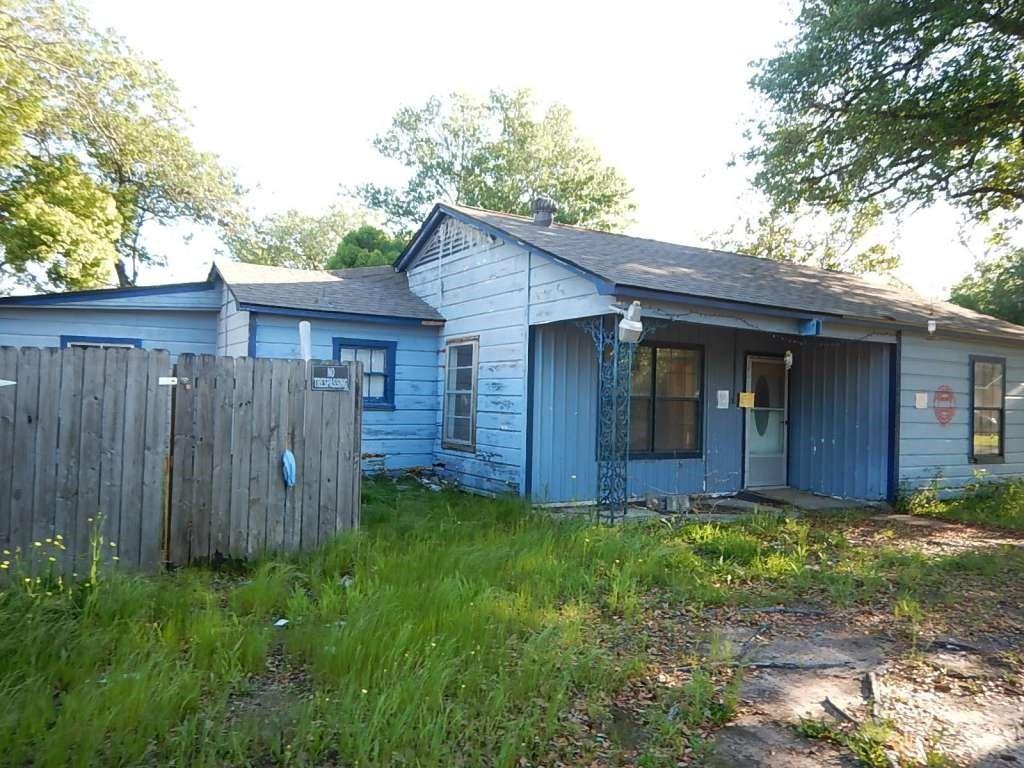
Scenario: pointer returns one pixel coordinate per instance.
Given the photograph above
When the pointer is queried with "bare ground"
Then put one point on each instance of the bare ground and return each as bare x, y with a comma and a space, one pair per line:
954, 686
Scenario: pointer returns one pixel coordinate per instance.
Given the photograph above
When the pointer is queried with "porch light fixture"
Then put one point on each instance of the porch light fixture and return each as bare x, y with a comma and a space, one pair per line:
788, 358
932, 325
630, 327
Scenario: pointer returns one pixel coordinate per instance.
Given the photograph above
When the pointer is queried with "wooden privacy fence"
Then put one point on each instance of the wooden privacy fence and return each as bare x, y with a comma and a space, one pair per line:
234, 417
89, 454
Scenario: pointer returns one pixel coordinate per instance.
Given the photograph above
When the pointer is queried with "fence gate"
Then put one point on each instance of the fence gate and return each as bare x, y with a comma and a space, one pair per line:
83, 450
233, 420
88, 453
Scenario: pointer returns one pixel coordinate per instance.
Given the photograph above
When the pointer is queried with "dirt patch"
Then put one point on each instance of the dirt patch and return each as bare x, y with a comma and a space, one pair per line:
928, 535
268, 698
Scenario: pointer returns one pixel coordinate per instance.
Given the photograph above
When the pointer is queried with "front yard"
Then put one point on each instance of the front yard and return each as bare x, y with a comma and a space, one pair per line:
455, 630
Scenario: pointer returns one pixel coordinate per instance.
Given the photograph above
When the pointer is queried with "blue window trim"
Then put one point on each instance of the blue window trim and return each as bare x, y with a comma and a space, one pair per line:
67, 341
386, 403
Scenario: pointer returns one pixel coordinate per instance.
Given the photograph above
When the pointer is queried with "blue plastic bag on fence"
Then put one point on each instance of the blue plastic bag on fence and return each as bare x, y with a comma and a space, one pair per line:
288, 468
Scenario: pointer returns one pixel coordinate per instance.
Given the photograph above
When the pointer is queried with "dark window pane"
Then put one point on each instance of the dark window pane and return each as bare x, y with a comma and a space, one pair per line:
464, 379
987, 432
640, 424
678, 372
461, 355
675, 425
642, 360
460, 429
769, 383
988, 385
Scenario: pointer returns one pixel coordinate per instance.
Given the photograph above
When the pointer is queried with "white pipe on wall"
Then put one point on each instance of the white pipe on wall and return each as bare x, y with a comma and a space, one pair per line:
305, 340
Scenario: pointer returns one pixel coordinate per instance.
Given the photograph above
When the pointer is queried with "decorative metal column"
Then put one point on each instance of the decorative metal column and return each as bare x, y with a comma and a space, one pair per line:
615, 369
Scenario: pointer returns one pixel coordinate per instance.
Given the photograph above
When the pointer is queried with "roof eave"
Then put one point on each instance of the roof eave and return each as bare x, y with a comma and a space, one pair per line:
326, 314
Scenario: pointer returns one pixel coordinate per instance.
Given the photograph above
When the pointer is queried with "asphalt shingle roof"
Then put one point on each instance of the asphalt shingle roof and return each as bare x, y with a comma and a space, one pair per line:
361, 290
700, 272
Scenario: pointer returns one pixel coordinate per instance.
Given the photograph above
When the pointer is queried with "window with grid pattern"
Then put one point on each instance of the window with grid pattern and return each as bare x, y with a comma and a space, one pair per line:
666, 401
378, 359
460, 395
988, 408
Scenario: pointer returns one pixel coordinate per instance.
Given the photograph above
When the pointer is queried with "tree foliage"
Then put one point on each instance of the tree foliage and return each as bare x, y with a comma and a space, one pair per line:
367, 246
840, 241
899, 102
93, 146
291, 239
495, 154
996, 287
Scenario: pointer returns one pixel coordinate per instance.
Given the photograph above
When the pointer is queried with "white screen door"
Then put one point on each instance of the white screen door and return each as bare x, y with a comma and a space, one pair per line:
764, 453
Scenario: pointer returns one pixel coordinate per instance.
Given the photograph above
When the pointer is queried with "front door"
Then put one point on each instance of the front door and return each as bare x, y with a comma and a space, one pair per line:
764, 455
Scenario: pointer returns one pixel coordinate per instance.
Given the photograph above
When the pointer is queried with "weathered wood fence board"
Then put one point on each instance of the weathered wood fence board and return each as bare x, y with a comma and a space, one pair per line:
235, 417
94, 447
83, 436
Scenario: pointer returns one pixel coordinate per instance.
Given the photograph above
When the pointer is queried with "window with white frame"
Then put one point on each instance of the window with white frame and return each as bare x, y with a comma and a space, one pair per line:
378, 359
460, 394
100, 342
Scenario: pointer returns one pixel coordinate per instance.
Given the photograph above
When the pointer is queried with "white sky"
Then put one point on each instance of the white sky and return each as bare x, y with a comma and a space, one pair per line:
290, 95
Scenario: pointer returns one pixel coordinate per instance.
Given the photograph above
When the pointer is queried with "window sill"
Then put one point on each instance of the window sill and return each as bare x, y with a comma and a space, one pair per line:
378, 406
988, 460
668, 455
460, 447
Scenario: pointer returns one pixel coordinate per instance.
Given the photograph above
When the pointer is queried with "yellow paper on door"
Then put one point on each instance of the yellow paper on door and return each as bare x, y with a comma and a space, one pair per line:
746, 399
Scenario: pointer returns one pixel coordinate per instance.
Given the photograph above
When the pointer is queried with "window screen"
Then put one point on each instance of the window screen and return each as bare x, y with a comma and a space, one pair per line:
460, 395
988, 407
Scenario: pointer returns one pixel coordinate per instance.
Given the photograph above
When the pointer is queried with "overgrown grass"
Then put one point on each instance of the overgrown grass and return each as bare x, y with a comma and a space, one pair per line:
984, 502
450, 630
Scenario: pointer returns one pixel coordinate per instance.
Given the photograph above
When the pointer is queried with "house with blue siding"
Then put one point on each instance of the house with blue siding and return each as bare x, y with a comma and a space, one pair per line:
480, 362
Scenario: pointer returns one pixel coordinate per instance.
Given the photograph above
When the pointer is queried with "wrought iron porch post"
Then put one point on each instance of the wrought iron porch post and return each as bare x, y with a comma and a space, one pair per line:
615, 371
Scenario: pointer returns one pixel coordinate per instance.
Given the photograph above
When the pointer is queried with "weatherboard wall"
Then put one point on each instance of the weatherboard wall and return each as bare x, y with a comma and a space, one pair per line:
480, 285
232, 327
173, 330
395, 438
932, 452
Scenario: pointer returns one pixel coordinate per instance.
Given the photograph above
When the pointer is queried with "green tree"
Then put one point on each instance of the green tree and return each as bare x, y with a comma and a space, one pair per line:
366, 246
291, 239
899, 102
495, 154
840, 241
88, 127
996, 285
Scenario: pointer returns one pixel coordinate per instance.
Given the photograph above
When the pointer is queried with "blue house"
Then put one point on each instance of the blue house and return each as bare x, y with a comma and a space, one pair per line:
480, 360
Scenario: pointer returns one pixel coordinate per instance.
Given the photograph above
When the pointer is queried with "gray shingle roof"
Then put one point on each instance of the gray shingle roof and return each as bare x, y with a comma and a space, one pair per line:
376, 291
651, 264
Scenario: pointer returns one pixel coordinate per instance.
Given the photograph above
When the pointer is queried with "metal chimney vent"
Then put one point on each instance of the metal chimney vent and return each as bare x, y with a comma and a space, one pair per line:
544, 210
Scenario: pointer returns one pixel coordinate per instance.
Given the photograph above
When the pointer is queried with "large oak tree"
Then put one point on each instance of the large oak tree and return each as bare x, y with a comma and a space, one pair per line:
93, 146
496, 154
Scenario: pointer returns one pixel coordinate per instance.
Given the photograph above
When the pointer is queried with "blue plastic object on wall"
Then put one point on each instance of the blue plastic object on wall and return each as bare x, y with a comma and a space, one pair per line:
288, 468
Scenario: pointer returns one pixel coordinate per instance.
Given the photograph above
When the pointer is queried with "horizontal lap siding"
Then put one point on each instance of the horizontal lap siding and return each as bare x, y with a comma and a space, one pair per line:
176, 331
392, 439
232, 327
932, 452
479, 285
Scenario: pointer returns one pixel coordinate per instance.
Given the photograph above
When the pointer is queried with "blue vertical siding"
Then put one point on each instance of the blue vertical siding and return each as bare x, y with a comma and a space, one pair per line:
839, 419
838, 416
392, 439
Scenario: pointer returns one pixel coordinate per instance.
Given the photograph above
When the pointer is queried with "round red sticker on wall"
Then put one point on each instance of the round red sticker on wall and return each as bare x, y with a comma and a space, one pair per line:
944, 402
